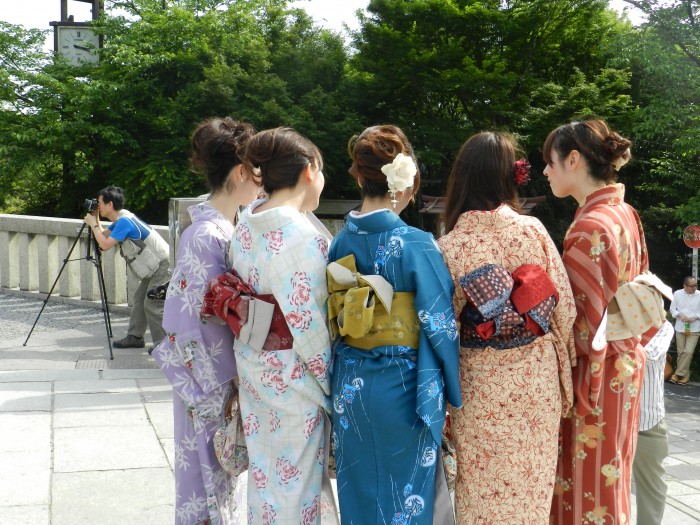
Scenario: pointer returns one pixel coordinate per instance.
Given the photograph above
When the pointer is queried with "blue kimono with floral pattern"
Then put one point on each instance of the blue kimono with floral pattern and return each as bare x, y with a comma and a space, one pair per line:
389, 402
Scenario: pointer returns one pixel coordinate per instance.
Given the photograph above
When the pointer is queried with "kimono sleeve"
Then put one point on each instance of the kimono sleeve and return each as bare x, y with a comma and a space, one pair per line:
298, 282
592, 263
433, 302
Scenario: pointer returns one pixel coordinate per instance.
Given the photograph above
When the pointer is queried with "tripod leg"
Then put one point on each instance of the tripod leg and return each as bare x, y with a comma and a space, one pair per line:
46, 300
101, 279
97, 261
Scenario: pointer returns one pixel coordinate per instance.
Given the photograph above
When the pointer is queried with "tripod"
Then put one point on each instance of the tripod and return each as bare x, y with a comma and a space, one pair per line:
97, 262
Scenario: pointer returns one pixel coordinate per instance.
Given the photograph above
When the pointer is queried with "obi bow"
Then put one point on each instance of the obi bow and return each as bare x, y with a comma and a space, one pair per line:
506, 310
636, 308
255, 319
365, 311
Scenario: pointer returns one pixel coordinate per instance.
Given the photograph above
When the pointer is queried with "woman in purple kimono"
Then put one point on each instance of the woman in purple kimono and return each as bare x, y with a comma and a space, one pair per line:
197, 355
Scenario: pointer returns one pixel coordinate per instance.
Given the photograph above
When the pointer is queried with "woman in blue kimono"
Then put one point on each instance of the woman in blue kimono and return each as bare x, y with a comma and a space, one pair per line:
396, 363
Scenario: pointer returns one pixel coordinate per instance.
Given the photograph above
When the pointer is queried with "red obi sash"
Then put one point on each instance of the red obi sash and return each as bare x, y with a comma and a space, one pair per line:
503, 310
255, 319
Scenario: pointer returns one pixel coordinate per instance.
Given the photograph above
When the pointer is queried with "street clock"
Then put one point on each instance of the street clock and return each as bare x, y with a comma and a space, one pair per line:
77, 42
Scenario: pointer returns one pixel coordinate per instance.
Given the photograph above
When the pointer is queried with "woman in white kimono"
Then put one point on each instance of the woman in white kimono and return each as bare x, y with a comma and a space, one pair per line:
196, 356
280, 249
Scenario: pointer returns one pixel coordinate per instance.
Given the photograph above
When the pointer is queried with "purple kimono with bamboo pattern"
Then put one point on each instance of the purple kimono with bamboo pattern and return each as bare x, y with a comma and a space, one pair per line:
197, 358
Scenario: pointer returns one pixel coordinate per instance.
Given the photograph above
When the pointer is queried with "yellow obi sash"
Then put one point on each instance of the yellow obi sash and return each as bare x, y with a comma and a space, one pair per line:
362, 321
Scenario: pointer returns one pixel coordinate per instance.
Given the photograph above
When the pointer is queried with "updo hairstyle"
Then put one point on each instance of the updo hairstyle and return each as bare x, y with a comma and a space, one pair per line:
215, 145
281, 154
373, 148
482, 176
598, 145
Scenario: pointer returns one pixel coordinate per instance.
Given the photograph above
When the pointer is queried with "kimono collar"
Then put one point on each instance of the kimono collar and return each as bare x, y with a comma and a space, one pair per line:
272, 219
498, 215
610, 195
374, 222
204, 212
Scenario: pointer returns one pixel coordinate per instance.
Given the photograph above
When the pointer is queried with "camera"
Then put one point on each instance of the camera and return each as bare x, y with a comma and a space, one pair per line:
91, 204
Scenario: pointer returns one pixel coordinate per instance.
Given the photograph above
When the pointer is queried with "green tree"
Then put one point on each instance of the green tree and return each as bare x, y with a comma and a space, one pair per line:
30, 127
162, 69
663, 57
445, 69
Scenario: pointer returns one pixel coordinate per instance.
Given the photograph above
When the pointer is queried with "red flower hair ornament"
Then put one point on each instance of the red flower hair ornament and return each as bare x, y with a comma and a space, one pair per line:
522, 172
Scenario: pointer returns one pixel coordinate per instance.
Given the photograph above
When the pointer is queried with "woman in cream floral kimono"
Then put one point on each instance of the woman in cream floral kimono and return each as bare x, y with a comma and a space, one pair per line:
515, 309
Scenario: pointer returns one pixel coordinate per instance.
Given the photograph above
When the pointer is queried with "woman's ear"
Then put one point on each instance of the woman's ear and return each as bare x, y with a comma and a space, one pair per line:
574, 158
307, 173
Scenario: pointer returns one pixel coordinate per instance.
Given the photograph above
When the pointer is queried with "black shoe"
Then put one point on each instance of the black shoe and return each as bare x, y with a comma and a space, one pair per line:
130, 341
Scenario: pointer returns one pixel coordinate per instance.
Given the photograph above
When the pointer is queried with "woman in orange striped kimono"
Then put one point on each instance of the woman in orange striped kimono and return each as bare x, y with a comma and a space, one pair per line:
603, 249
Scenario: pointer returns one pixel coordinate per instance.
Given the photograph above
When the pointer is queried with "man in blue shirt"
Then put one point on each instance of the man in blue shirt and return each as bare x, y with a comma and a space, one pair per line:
147, 255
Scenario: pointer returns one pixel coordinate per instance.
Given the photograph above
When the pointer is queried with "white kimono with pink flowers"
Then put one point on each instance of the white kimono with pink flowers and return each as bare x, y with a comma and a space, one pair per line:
284, 393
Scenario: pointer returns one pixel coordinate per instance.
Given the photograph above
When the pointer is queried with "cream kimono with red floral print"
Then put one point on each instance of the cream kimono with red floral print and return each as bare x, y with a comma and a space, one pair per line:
603, 249
506, 434
284, 393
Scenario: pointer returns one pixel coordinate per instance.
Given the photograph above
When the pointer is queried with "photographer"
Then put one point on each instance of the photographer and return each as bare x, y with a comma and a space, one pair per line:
147, 255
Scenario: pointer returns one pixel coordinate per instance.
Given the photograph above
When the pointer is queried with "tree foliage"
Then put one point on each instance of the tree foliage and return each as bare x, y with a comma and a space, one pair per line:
445, 69
168, 65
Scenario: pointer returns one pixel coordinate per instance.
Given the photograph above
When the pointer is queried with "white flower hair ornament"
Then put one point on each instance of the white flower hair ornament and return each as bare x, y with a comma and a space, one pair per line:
400, 175
622, 159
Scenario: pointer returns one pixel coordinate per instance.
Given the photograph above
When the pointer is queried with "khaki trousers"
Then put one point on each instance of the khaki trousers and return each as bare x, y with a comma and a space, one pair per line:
685, 345
146, 313
648, 472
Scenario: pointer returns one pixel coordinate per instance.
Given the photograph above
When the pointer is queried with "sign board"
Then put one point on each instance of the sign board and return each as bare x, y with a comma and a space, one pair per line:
691, 236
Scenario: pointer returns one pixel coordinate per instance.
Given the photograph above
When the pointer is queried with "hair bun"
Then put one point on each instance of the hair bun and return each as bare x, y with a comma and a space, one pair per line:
616, 145
280, 154
215, 145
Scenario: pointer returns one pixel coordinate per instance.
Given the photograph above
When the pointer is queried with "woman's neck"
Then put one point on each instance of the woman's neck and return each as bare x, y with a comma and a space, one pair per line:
226, 204
290, 197
370, 204
590, 185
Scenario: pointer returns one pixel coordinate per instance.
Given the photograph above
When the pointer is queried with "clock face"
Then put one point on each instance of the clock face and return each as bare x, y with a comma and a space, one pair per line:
78, 44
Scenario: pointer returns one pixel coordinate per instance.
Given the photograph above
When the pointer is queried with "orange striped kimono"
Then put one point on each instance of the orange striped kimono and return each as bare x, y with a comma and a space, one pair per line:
604, 248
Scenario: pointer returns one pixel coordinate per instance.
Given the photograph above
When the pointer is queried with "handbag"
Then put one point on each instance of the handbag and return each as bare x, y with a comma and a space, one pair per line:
449, 462
449, 456
229, 439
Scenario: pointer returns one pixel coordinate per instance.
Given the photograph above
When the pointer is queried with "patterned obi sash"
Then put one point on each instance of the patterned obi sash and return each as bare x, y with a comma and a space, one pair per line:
366, 311
255, 319
503, 310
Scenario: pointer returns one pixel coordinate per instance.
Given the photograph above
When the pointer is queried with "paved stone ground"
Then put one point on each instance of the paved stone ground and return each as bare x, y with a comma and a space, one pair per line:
89, 440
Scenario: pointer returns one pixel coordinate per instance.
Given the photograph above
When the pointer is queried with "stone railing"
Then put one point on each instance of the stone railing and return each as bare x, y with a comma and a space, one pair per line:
33, 250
